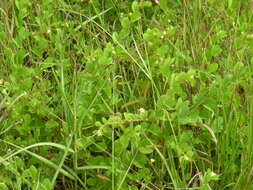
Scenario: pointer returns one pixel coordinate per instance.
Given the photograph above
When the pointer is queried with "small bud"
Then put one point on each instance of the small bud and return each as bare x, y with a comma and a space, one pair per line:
141, 110
4, 91
100, 132
157, 2
156, 62
48, 31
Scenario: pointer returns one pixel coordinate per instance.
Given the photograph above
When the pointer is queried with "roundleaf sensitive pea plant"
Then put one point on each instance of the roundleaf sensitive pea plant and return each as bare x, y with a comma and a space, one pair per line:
126, 95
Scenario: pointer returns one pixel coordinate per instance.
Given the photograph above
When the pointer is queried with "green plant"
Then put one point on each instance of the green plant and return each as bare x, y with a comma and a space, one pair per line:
113, 94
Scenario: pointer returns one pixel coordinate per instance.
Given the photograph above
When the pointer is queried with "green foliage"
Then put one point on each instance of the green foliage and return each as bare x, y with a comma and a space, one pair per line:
106, 94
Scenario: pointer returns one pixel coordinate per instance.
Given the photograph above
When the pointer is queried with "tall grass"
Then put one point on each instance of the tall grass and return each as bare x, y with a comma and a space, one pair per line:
117, 94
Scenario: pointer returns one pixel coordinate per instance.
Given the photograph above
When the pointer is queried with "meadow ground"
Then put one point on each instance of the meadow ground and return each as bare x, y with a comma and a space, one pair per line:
114, 94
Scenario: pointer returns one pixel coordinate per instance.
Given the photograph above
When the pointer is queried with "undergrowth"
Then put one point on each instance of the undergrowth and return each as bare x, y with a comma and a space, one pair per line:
114, 94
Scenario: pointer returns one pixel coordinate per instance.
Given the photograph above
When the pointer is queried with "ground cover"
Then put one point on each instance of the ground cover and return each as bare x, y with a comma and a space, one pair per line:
114, 94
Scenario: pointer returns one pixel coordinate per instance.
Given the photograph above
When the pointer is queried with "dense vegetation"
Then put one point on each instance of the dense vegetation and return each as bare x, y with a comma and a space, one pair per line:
114, 94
